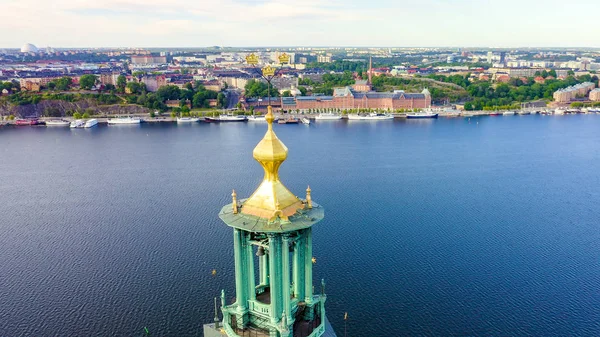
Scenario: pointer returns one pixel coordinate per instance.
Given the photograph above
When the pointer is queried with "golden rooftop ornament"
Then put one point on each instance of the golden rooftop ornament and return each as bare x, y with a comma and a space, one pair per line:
268, 71
252, 59
284, 58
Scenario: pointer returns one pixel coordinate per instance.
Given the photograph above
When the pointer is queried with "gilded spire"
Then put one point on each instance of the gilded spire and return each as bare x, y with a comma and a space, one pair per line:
271, 199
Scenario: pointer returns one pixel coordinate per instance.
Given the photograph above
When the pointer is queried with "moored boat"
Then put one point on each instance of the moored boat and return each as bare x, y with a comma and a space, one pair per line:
227, 118
57, 122
23, 122
508, 113
90, 123
288, 120
328, 116
124, 120
305, 120
371, 116
77, 123
559, 112
254, 118
187, 119
524, 112
422, 115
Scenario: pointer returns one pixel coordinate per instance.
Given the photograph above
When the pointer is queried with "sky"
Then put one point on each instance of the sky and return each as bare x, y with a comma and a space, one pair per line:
255, 23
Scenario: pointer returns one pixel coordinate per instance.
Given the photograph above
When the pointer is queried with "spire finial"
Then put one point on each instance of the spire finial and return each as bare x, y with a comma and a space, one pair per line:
234, 202
308, 197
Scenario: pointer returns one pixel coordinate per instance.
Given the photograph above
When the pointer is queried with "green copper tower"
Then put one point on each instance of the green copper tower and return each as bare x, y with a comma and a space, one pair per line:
272, 237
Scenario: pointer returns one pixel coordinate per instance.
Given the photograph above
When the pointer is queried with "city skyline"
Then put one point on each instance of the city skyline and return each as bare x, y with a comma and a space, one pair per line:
284, 23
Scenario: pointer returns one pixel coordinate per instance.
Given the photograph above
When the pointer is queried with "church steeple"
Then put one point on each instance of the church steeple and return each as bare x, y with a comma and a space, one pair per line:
370, 69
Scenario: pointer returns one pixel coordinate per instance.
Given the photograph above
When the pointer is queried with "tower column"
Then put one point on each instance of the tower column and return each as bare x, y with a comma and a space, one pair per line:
275, 276
240, 290
298, 261
308, 283
250, 269
264, 269
285, 262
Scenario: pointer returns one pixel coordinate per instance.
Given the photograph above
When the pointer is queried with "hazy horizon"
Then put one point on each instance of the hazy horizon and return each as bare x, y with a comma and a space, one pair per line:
287, 23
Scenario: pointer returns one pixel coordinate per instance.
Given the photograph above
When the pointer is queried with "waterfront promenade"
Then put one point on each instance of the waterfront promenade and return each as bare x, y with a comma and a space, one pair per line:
444, 114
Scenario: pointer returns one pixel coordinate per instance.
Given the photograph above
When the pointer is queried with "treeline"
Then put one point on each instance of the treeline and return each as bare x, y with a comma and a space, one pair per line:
24, 98
196, 94
328, 83
257, 89
485, 96
439, 93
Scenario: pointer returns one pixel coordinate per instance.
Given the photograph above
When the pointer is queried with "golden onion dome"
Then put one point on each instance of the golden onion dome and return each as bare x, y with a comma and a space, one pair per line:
271, 199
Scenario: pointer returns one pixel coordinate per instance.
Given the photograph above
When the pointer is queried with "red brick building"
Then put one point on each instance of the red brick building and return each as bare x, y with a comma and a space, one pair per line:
347, 98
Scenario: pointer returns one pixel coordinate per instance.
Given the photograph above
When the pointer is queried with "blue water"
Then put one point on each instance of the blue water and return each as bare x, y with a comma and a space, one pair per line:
480, 227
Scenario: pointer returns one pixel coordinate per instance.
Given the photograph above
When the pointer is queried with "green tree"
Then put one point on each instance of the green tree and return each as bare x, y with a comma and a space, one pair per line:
221, 100
286, 93
168, 92
64, 83
134, 88
86, 82
85, 115
121, 83
76, 115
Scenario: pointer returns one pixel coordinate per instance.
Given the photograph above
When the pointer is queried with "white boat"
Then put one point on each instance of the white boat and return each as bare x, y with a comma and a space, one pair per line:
227, 118
78, 123
371, 116
57, 122
256, 118
427, 114
187, 119
508, 113
328, 116
90, 123
523, 112
559, 112
305, 120
124, 120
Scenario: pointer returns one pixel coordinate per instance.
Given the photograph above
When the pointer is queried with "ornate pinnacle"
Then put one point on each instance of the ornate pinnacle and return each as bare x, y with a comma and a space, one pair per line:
216, 316
234, 202
308, 198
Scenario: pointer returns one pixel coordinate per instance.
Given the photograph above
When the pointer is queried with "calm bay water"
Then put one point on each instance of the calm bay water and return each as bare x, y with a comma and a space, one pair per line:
480, 227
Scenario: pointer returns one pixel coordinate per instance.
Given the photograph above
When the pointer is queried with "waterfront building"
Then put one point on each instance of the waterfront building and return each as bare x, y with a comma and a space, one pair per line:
272, 229
573, 92
595, 95
347, 98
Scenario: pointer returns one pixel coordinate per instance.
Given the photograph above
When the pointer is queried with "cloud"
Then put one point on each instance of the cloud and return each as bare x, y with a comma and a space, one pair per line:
160, 23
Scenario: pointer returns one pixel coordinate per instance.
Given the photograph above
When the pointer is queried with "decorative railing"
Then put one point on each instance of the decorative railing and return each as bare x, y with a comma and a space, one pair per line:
260, 308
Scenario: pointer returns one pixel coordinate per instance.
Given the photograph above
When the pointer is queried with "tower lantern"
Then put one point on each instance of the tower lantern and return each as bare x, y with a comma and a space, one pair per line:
272, 230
